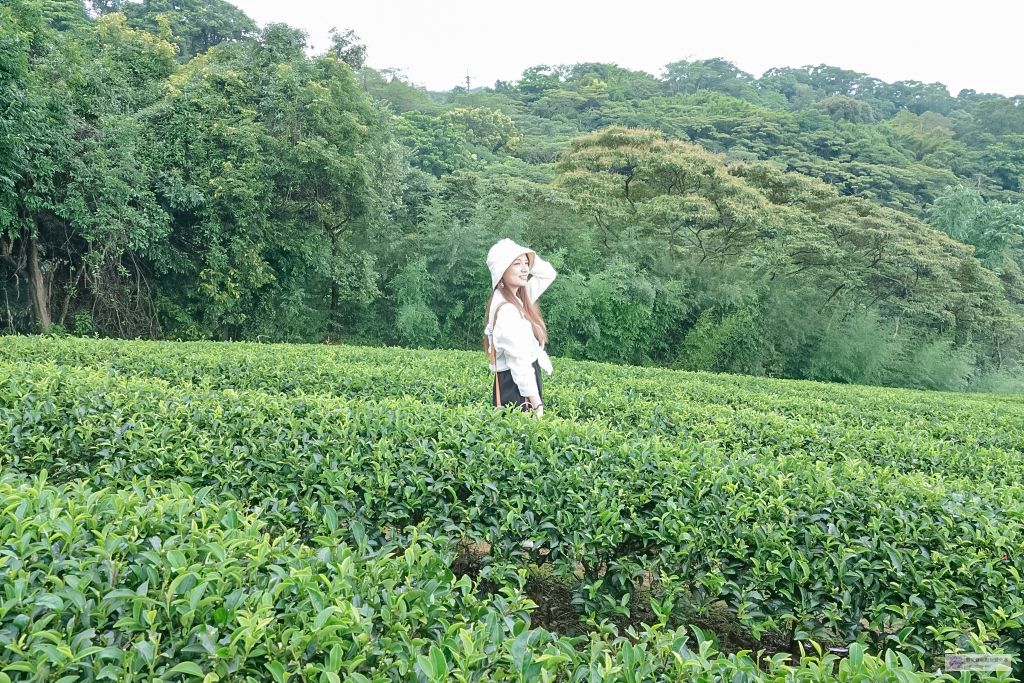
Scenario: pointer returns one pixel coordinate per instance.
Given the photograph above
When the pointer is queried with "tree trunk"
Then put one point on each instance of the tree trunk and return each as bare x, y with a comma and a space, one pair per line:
333, 326
37, 285
71, 291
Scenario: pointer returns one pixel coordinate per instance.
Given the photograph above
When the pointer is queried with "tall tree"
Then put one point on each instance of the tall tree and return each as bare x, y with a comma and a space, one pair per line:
279, 173
992, 228
637, 186
40, 136
84, 210
718, 75
194, 25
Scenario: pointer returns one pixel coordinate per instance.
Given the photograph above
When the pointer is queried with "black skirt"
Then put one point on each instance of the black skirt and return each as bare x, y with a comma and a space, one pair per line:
510, 395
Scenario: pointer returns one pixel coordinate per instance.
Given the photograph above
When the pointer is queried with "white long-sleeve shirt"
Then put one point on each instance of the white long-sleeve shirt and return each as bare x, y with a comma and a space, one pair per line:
512, 334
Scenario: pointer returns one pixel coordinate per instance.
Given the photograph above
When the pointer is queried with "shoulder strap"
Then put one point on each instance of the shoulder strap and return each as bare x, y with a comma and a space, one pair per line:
494, 321
496, 309
494, 354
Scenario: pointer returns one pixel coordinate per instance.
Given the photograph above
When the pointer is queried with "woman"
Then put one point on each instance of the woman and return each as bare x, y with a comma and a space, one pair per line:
515, 333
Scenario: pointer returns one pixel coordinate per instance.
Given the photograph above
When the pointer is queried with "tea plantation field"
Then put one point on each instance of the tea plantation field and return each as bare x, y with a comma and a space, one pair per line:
238, 512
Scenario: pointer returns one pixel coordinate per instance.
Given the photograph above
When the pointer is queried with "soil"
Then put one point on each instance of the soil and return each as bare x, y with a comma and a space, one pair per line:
555, 611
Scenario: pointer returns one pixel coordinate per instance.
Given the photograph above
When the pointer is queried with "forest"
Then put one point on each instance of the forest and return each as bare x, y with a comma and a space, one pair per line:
172, 170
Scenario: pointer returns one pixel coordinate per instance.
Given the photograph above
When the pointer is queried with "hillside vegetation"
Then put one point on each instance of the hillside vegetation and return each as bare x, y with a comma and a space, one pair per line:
175, 171
271, 512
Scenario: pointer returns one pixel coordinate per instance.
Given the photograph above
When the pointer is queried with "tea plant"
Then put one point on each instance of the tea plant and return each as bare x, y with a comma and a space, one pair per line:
954, 434
172, 583
793, 542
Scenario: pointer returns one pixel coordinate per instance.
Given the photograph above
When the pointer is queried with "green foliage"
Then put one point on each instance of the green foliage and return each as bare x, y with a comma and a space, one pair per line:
715, 75
84, 324
194, 25
277, 200
713, 344
813, 82
808, 485
779, 117
345, 48
855, 352
164, 581
390, 86
637, 186
16, 31
491, 130
132, 70
415, 322
1001, 117
676, 209
176, 172
83, 207
63, 15
938, 365
843, 108
457, 139
536, 81
621, 304
178, 583
438, 143
992, 228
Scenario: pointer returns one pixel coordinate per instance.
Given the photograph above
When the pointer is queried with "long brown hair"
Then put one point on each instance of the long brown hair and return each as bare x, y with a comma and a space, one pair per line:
529, 309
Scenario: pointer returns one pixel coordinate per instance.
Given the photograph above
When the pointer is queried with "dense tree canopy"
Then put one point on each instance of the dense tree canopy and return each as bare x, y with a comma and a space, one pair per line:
173, 170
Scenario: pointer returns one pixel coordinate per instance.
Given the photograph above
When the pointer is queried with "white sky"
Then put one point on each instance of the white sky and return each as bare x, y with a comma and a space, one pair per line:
973, 44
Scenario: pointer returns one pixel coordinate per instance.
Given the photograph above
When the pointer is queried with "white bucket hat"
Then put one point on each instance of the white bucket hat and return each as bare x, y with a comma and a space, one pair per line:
501, 256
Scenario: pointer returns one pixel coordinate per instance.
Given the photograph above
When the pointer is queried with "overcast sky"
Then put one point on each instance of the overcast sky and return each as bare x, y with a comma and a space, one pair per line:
962, 44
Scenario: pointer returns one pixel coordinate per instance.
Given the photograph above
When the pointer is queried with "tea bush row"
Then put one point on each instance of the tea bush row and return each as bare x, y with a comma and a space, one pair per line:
951, 434
790, 542
171, 583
